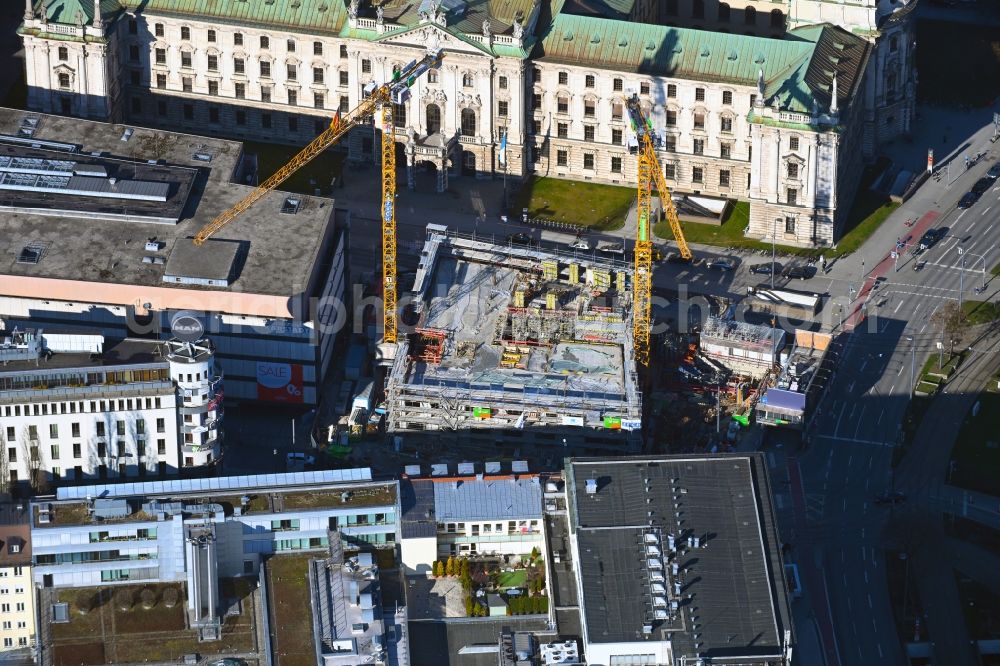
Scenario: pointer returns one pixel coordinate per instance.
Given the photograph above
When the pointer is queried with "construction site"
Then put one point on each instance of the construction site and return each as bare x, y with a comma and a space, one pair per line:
514, 348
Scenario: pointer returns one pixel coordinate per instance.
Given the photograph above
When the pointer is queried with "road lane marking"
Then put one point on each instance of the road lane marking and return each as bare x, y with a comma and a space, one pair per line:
900, 371
880, 415
898, 305
870, 601
864, 554
880, 655
853, 440
844, 506
850, 458
866, 576
987, 210
861, 419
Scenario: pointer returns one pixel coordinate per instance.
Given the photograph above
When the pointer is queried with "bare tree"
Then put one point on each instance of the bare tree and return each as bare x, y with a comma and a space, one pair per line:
4, 471
951, 321
31, 452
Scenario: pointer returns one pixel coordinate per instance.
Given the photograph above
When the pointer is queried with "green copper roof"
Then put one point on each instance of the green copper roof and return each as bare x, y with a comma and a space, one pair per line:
309, 16
66, 11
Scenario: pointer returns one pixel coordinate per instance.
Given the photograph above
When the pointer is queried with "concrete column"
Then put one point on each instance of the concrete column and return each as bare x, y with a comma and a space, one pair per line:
755, 157
442, 175
83, 88
810, 178
776, 179
411, 180
49, 96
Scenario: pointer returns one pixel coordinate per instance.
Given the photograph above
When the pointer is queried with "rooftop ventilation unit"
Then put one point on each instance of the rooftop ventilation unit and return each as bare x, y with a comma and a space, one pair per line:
291, 205
654, 563
660, 602
492, 468
651, 537
466, 469
660, 614
439, 469
412, 470
202, 157
30, 254
591, 486
519, 467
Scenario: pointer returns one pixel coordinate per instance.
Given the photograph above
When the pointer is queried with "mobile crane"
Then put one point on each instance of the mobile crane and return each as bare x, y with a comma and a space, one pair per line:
377, 104
649, 172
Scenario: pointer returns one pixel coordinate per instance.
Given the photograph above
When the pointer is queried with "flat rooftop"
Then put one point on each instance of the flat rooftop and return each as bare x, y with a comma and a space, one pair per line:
130, 351
732, 593
519, 319
280, 251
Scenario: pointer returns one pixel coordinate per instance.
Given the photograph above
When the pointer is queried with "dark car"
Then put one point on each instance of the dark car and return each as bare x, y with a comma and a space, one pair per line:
722, 264
520, 239
982, 185
766, 269
799, 272
890, 498
994, 171
931, 237
678, 258
968, 200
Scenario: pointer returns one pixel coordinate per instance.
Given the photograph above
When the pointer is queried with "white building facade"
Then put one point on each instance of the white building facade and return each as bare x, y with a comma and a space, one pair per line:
555, 90
140, 408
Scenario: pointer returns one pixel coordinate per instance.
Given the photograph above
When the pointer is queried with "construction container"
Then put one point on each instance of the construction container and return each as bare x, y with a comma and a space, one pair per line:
574, 273
550, 270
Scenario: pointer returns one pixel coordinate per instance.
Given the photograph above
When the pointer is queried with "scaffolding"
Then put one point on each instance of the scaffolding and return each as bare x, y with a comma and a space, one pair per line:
429, 345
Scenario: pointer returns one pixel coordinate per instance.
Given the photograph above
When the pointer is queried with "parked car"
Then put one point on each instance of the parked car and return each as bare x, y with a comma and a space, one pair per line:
982, 185
611, 248
520, 239
766, 269
580, 244
799, 272
890, 497
932, 236
722, 264
678, 258
968, 200
994, 171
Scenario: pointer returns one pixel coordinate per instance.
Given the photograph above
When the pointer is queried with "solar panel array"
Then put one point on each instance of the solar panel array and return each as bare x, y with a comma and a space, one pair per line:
215, 484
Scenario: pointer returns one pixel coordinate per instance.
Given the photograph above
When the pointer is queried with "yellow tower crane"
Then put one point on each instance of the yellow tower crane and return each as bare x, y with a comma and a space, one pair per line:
377, 104
650, 173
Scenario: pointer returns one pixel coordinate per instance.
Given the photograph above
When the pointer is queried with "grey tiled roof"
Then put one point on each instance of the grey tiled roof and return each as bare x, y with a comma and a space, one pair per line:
487, 499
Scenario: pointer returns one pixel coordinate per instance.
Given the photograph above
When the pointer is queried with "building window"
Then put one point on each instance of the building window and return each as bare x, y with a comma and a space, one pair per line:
616, 111
53, 431
563, 78
241, 90
793, 143
502, 109
265, 93
699, 120
213, 87
588, 132
239, 66
158, 29
724, 14
133, 53
343, 78
536, 126
211, 36
366, 66
160, 56
699, 146
265, 120
318, 100
618, 85
670, 171
893, 43
536, 75
186, 85
562, 130
265, 42
589, 108
432, 76
670, 143
725, 150
671, 118
63, 53
671, 90
749, 15
185, 32
54, 452
343, 108
588, 81
724, 178
562, 158
727, 97
793, 196
726, 124
77, 451
317, 75
789, 225
644, 88
265, 69
562, 105
616, 137
292, 73
467, 80
777, 18
136, 105
12, 455
186, 59
588, 161
213, 63
237, 39
468, 122
64, 80
697, 175
502, 82
188, 115
318, 48
616, 165
793, 170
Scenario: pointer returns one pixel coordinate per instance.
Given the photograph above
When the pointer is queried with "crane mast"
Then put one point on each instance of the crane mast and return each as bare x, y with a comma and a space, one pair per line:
378, 104
650, 173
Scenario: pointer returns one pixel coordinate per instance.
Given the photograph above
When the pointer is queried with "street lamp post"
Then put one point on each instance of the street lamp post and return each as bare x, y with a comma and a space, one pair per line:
913, 364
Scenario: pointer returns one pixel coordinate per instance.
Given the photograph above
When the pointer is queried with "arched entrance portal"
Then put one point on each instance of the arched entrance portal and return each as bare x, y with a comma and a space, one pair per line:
433, 119
468, 163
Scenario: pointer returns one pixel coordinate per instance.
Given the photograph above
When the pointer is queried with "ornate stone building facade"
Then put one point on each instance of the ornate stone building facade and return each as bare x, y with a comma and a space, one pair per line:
741, 116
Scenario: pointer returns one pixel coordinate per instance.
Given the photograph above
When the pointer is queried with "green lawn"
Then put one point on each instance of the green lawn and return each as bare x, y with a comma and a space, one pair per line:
317, 174
516, 578
980, 312
995, 270
971, 72
976, 455
600, 207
